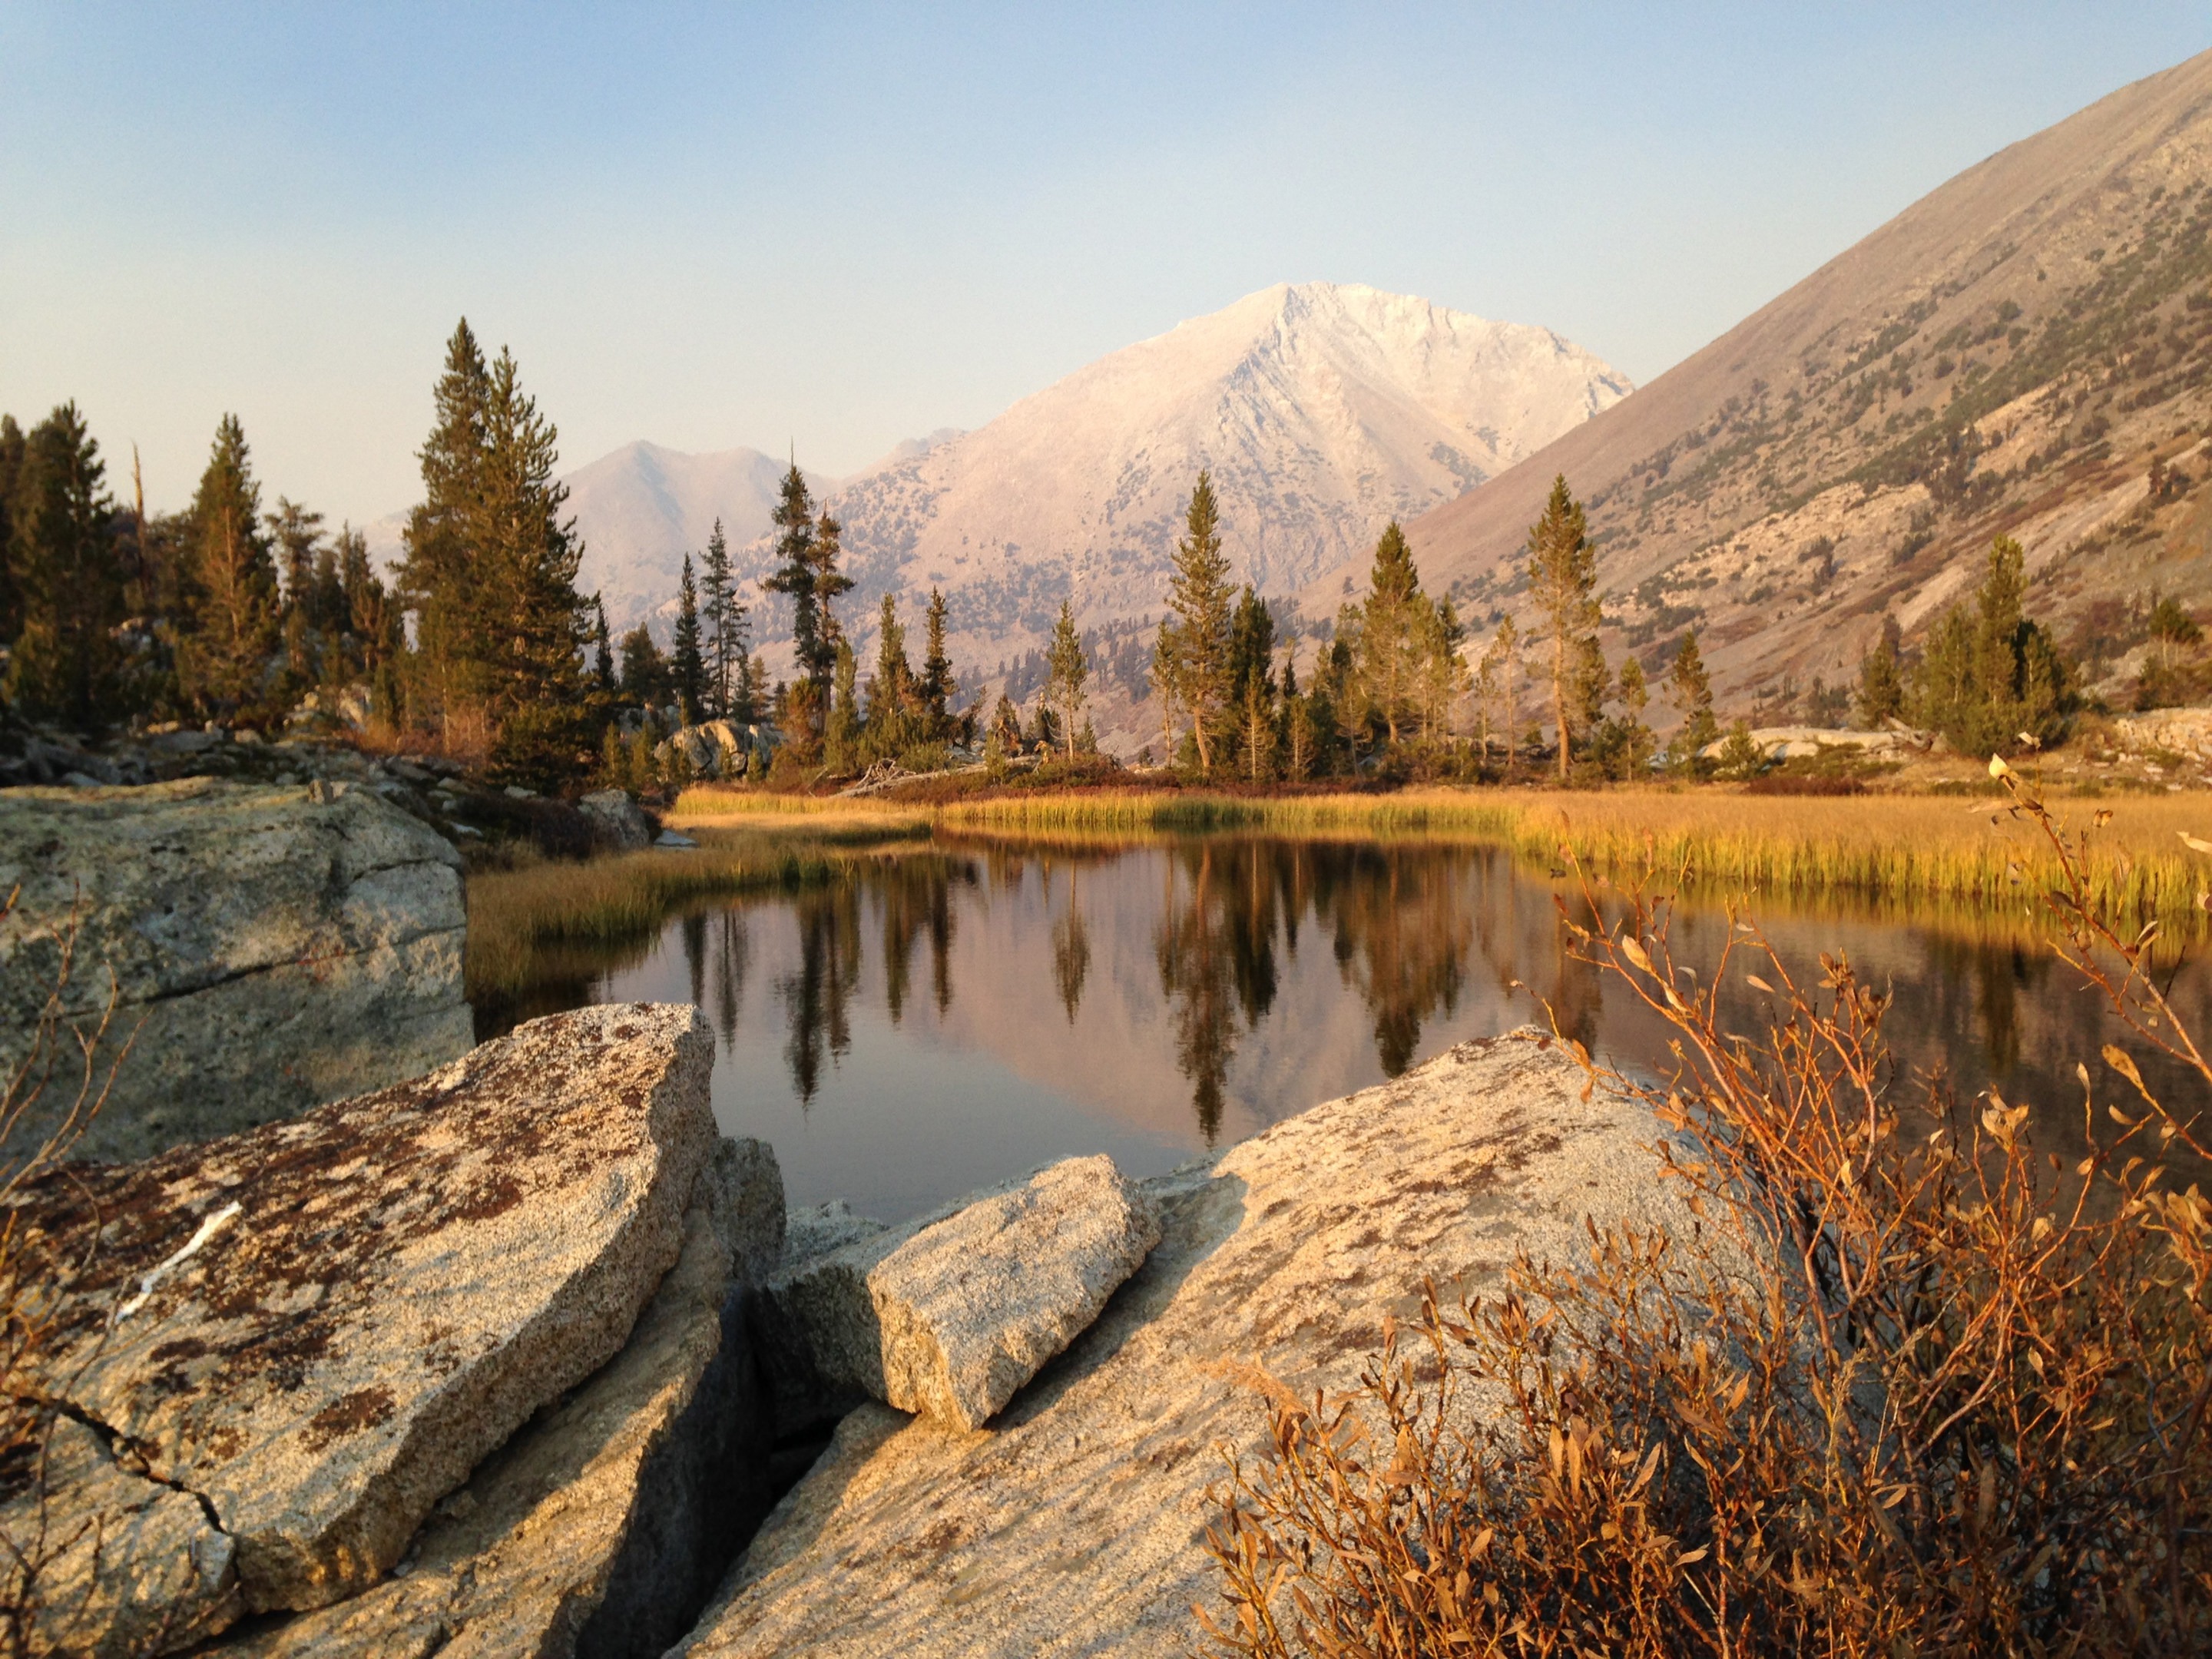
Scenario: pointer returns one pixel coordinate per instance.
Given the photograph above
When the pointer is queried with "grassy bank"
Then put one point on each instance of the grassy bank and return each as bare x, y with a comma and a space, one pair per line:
517, 917
1908, 848
1944, 850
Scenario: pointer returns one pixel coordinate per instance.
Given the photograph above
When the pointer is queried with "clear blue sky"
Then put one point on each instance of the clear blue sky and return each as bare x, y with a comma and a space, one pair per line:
843, 226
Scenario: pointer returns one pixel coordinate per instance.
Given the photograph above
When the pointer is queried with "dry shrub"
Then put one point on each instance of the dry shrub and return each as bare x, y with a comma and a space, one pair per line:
48, 1099
1912, 1387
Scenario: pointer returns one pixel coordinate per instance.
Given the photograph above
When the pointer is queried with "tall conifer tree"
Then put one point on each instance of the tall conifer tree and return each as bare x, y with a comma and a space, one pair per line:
230, 625
687, 662
436, 578
62, 551
1562, 582
11, 462
1065, 674
936, 689
1190, 661
726, 616
793, 576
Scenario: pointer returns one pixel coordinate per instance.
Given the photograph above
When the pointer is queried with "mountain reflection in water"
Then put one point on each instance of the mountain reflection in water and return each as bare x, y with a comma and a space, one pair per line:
954, 1016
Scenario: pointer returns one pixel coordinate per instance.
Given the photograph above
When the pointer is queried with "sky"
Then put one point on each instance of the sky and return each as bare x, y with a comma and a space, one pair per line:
833, 227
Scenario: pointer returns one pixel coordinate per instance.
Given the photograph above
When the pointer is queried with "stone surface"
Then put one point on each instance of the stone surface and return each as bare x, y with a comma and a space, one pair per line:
269, 951
619, 819
130, 1566
601, 1528
950, 1315
410, 1275
1074, 1525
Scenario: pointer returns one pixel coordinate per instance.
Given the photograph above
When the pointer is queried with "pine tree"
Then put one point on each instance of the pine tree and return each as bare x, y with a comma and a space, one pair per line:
726, 630
369, 612
1389, 624
68, 577
644, 676
937, 687
298, 535
230, 625
1065, 674
1190, 661
830, 582
436, 580
1882, 680
794, 577
841, 734
891, 713
526, 557
1691, 691
603, 655
1988, 680
687, 663
1251, 684
1502, 664
11, 462
1563, 582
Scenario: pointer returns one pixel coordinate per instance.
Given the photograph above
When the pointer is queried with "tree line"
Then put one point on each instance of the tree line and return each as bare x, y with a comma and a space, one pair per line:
232, 610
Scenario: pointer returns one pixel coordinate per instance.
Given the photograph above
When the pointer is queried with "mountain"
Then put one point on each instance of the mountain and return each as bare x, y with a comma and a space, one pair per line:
642, 508
1322, 410
2010, 355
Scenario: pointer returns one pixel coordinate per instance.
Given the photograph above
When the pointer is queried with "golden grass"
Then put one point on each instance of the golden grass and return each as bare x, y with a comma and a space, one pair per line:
1902, 849
516, 915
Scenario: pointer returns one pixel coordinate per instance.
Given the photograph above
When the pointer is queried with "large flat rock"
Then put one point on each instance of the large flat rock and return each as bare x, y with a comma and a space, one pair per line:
1075, 1525
271, 948
950, 1315
406, 1278
602, 1524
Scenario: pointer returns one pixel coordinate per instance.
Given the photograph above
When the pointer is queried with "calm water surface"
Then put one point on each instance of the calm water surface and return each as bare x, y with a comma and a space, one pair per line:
961, 1014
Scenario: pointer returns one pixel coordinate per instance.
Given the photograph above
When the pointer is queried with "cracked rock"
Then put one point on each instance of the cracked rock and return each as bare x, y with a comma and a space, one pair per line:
411, 1274
130, 1566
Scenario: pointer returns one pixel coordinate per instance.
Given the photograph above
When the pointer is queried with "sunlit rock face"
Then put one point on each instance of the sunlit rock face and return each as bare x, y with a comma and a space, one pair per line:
1073, 1524
949, 1315
318, 1329
266, 949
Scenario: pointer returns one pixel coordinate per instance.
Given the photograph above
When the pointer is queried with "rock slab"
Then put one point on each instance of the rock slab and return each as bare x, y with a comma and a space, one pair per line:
948, 1316
1076, 1526
270, 949
606, 1523
405, 1278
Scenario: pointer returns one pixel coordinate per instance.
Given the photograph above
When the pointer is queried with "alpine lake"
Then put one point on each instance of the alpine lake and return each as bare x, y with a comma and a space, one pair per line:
962, 1010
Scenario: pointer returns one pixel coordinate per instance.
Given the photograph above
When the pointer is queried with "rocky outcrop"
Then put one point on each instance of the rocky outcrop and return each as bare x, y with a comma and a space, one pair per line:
1074, 1525
602, 1527
716, 749
268, 949
950, 1315
315, 1331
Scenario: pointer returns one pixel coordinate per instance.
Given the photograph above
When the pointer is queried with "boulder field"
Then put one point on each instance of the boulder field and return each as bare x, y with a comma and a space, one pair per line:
266, 949
523, 1358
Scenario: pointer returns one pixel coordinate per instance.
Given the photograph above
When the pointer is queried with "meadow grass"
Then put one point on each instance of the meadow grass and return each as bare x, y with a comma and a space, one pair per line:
1956, 853
519, 917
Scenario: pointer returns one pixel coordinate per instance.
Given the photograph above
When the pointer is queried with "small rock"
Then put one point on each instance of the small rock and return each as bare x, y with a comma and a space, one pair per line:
949, 1316
669, 838
617, 818
516, 792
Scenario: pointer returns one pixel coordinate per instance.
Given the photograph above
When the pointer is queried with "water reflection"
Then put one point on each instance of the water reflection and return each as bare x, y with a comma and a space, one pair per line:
1169, 996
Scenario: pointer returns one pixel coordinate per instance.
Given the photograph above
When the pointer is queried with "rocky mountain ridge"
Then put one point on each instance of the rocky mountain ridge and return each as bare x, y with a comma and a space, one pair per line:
2023, 351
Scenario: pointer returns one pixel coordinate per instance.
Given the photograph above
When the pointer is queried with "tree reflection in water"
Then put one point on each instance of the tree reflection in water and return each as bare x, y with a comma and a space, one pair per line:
1174, 988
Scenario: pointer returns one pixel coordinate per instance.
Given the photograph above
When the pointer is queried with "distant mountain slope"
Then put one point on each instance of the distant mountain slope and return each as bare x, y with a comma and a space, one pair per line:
642, 508
2009, 354
1322, 410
